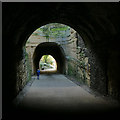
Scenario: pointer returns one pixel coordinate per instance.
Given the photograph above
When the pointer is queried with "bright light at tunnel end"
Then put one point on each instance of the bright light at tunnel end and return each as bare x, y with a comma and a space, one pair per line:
47, 64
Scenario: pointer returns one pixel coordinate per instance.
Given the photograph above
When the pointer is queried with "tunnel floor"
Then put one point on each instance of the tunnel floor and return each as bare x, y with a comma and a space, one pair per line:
56, 94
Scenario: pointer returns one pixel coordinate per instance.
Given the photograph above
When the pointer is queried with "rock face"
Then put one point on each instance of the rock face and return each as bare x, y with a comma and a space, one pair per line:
74, 52
98, 26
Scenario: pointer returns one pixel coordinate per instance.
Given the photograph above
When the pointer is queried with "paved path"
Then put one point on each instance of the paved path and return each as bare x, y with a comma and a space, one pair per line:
52, 80
56, 93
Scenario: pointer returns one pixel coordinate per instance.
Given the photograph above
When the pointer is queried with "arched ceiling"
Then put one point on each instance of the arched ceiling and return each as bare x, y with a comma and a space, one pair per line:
93, 21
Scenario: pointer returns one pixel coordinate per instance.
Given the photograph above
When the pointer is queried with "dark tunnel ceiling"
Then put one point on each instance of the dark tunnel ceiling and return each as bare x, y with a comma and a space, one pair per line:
94, 24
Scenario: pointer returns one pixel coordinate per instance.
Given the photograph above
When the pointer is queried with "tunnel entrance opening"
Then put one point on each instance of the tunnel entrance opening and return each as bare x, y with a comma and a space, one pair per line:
47, 64
53, 49
72, 56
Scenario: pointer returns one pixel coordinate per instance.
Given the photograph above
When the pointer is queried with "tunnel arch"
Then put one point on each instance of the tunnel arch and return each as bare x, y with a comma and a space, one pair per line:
53, 49
86, 29
24, 18
87, 32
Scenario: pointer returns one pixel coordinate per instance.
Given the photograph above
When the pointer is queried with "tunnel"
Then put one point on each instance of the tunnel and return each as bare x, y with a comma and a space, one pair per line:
97, 23
53, 49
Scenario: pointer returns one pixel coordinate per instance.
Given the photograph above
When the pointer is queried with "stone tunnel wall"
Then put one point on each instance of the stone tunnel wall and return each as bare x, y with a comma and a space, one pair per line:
97, 74
77, 61
21, 75
97, 22
23, 70
113, 68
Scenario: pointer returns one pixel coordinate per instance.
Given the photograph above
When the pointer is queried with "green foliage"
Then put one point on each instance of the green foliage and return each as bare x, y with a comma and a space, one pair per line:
59, 29
36, 34
28, 41
71, 70
54, 30
45, 59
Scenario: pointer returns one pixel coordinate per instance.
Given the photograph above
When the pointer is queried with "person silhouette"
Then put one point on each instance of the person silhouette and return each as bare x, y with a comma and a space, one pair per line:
38, 73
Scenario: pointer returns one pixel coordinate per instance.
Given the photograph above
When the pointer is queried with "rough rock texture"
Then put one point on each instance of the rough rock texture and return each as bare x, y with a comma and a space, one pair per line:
97, 23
